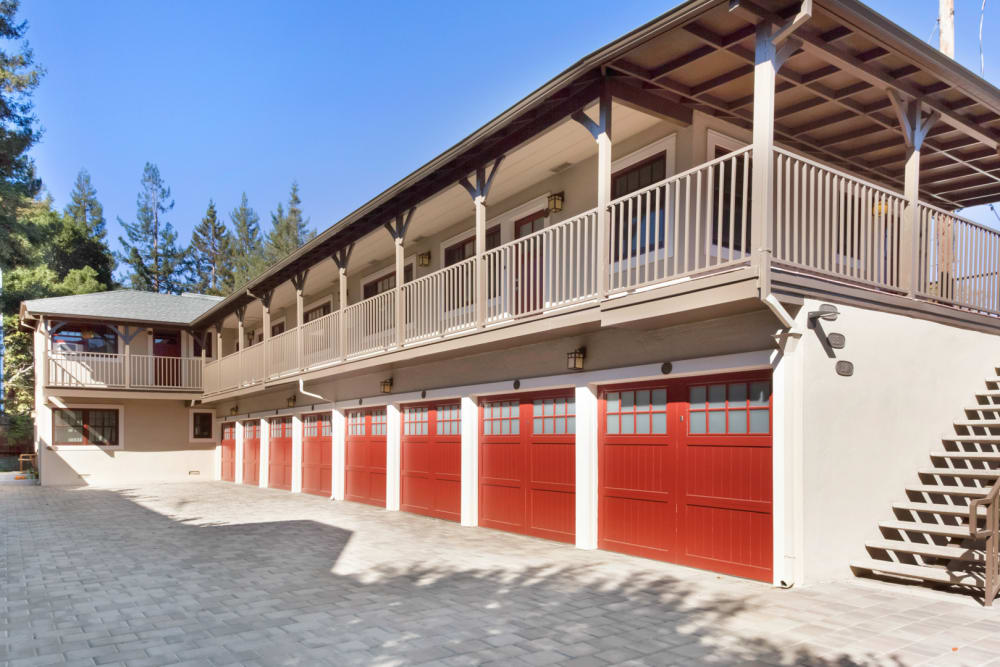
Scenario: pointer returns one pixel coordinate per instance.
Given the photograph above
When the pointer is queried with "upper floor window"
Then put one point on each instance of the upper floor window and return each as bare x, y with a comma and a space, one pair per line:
278, 328
317, 312
85, 338
386, 282
729, 203
465, 249
638, 176
199, 345
641, 225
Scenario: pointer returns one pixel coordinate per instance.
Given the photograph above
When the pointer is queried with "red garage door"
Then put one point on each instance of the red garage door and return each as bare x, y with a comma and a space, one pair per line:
527, 464
431, 463
279, 463
364, 469
685, 472
317, 454
251, 452
228, 447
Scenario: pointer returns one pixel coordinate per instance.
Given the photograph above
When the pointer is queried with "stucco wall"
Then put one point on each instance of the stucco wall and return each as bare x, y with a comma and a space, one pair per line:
864, 437
155, 447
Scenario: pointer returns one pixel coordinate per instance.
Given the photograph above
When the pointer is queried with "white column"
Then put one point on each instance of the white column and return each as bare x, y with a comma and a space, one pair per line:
470, 461
786, 474
299, 321
342, 322
480, 308
339, 426
586, 467
297, 433
238, 477
393, 444
400, 280
603, 209
265, 451
266, 334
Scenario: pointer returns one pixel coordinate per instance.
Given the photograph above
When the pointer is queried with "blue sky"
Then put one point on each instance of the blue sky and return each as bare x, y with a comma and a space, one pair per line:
346, 98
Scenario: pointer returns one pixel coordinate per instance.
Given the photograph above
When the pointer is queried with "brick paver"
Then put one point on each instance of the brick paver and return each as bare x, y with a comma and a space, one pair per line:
217, 574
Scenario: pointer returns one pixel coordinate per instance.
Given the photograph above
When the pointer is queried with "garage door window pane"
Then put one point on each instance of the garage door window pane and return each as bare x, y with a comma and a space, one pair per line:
659, 423
717, 396
760, 394
612, 425
737, 421
449, 420
380, 424
628, 424
717, 421
642, 423
760, 421
612, 402
737, 393
637, 412
659, 400
697, 424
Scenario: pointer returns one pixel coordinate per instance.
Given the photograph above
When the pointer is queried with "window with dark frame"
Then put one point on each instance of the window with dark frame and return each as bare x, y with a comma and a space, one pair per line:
466, 249
85, 426
632, 220
201, 425
207, 346
317, 312
278, 328
386, 282
79, 337
727, 202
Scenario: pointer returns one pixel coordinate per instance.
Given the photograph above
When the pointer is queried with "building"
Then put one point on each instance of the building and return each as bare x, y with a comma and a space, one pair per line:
703, 297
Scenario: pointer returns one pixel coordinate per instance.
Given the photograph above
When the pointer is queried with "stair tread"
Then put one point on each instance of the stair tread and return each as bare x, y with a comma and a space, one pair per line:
992, 439
939, 550
925, 572
983, 423
937, 507
948, 490
920, 527
962, 472
986, 456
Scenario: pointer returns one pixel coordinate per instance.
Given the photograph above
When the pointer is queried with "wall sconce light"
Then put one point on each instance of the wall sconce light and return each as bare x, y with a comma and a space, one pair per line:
233, 410
574, 359
291, 401
556, 202
386, 386
424, 259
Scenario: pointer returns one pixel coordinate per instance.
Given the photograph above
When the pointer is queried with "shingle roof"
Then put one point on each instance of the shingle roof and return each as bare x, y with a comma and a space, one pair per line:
126, 304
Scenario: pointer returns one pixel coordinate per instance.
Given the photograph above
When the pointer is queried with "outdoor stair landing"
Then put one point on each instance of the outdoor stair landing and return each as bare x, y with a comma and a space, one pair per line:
929, 541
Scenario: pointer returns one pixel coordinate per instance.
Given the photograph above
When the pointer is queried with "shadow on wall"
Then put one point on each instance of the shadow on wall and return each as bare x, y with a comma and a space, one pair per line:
267, 592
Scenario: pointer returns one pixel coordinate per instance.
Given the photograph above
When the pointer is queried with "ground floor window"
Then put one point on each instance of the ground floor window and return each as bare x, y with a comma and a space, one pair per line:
201, 426
86, 426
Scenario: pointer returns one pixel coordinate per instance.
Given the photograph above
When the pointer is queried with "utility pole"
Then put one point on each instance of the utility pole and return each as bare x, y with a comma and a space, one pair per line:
946, 25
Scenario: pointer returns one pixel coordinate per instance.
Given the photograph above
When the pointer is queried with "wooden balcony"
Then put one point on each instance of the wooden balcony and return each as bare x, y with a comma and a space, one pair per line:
828, 225
94, 370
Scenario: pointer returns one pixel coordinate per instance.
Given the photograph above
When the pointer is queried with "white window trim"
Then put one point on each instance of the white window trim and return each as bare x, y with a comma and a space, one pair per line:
505, 220
88, 448
386, 270
667, 145
215, 428
717, 139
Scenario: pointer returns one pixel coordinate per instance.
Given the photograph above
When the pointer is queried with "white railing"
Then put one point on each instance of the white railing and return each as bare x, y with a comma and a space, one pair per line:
551, 268
212, 379
958, 261
86, 369
319, 340
230, 371
693, 222
282, 353
442, 302
370, 324
253, 365
830, 222
152, 372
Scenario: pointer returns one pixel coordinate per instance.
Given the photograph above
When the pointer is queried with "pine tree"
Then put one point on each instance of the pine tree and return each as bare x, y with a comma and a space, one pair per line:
209, 256
151, 251
290, 231
18, 133
81, 239
247, 247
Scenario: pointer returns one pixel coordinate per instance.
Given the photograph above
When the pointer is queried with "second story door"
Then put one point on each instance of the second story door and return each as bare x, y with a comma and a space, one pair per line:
167, 364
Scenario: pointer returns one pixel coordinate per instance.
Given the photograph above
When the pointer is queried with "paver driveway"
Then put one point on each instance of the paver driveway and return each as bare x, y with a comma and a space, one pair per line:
213, 574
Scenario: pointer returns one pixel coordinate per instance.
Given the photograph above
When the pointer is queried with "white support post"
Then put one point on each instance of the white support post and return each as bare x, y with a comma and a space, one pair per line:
393, 443
297, 433
128, 360
339, 427
265, 453
265, 336
299, 321
586, 467
787, 518
240, 343
470, 461
400, 280
604, 201
480, 203
238, 476
342, 320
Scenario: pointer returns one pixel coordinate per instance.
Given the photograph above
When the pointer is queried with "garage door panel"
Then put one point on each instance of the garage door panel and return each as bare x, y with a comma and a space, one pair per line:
502, 506
639, 467
729, 472
737, 540
502, 460
417, 493
365, 447
448, 498
553, 463
446, 458
552, 513
639, 526
415, 457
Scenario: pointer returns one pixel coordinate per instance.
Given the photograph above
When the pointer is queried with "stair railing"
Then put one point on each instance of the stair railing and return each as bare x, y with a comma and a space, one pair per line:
991, 563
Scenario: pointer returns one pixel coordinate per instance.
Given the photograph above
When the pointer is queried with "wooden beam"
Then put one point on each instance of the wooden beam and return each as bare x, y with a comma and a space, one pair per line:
643, 100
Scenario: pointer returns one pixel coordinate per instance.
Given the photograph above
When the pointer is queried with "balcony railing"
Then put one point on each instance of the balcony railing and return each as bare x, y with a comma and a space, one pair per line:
826, 223
110, 371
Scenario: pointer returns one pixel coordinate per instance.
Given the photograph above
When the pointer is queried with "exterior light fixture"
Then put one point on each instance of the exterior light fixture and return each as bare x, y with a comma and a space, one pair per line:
291, 401
233, 410
87, 334
827, 311
556, 202
386, 386
574, 359
424, 259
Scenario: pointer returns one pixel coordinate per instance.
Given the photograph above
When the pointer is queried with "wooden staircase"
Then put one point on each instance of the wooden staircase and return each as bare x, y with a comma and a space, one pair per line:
946, 533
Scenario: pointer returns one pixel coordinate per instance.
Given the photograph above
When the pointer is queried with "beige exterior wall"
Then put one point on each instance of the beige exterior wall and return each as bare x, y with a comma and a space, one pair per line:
155, 446
861, 439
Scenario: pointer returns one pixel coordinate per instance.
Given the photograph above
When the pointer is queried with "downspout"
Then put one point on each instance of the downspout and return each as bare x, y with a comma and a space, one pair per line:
779, 311
302, 390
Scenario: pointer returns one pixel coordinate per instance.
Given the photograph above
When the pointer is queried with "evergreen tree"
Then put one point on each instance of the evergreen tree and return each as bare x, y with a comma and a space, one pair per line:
151, 253
290, 231
81, 239
247, 247
19, 76
209, 256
